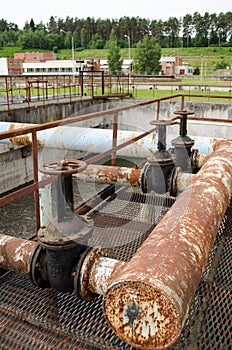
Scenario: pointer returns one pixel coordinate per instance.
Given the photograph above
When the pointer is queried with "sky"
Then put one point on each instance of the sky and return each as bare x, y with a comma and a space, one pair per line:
19, 12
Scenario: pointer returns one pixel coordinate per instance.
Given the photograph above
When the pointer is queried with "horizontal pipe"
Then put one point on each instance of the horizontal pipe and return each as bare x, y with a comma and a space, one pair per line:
15, 253
97, 272
110, 175
147, 302
93, 140
83, 139
122, 175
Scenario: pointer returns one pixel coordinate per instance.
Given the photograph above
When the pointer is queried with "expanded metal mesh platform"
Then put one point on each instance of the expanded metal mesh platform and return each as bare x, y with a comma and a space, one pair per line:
34, 318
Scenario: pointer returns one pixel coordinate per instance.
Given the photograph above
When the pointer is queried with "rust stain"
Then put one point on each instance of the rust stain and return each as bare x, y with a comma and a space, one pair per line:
23, 140
167, 268
135, 177
142, 315
111, 174
216, 143
15, 253
199, 159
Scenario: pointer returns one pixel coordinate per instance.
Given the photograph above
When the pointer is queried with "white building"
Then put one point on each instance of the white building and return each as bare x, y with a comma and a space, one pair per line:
126, 65
3, 66
55, 67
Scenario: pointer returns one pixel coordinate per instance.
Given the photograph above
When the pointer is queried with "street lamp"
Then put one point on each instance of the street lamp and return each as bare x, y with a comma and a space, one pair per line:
128, 37
129, 70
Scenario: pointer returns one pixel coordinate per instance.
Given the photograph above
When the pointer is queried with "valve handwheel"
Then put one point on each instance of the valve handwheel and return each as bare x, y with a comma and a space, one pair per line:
63, 167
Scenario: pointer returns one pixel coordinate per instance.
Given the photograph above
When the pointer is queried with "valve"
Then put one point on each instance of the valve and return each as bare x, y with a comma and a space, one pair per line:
183, 143
64, 240
158, 168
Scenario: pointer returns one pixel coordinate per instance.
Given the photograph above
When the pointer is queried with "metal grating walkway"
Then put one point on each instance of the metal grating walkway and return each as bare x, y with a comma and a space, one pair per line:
33, 318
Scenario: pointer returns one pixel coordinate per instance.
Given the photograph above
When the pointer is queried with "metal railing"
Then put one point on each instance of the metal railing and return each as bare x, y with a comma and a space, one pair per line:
20, 89
36, 184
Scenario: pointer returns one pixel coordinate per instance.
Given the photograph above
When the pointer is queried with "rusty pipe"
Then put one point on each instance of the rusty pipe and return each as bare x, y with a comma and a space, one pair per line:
147, 302
110, 175
96, 273
122, 175
15, 253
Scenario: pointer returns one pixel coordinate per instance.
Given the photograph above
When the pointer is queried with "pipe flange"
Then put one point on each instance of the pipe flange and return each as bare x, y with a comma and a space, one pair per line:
67, 234
81, 275
173, 187
36, 269
80, 280
184, 112
162, 122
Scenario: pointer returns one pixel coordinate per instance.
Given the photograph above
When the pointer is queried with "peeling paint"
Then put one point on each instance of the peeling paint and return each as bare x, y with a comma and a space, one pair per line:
166, 270
15, 253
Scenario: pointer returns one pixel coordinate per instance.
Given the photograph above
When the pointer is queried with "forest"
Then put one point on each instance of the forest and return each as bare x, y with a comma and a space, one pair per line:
189, 31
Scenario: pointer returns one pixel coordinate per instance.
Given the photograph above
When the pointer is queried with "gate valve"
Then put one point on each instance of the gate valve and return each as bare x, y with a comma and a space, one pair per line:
183, 143
157, 170
65, 238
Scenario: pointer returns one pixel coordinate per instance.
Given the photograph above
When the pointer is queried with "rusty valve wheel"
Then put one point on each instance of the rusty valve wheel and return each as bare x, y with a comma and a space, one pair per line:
63, 167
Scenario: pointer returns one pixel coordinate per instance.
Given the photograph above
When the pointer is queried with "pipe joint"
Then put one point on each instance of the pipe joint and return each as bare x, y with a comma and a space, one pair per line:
54, 263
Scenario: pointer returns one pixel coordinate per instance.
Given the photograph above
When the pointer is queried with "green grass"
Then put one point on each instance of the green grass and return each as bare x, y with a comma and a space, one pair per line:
217, 52
9, 51
149, 94
206, 56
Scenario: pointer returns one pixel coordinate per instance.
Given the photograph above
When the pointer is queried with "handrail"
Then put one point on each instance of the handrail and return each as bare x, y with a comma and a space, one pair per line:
34, 187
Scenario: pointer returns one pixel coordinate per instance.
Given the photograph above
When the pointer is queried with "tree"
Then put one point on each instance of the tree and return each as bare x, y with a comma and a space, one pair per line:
96, 42
84, 42
221, 65
201, 24
187, 30
52, 26
32, 25
147, 56
113, 55
172, 29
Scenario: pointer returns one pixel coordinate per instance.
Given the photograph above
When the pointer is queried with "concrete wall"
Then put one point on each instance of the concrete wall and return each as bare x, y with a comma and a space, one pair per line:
139, 118
16, 167
42, 112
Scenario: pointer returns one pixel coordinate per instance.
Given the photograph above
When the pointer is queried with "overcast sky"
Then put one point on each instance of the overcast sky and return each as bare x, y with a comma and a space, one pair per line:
23, 10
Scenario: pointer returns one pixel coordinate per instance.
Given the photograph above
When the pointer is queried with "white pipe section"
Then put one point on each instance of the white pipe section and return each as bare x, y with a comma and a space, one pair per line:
89, 140
93, 140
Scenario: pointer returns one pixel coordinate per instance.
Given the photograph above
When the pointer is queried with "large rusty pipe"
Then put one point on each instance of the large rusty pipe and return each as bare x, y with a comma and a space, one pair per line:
147, 302
15, 253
